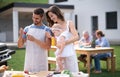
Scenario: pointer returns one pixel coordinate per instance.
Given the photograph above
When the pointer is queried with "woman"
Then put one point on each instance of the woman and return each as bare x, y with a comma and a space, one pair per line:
54, 15
100, 42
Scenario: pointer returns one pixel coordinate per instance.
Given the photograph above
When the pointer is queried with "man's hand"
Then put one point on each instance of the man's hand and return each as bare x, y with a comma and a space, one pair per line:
48, 35
30, 37
21, 32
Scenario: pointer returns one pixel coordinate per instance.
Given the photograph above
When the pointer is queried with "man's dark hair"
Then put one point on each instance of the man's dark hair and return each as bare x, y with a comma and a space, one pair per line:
39, 11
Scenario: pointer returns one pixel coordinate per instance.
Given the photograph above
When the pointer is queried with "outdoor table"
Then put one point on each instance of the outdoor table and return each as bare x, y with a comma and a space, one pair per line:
39, 74
90, 51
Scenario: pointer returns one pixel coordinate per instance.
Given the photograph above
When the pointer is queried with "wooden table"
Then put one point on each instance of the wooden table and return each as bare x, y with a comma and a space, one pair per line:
39, 74
90, 51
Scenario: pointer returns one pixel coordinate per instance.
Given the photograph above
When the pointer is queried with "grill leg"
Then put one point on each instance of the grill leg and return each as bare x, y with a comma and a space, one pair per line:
3, 63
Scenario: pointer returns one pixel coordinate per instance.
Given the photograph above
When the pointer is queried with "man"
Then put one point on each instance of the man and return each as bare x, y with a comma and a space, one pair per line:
86, 40
36, 37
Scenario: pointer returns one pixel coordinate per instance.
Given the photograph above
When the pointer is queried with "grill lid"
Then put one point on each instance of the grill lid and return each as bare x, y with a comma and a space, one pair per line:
3, 46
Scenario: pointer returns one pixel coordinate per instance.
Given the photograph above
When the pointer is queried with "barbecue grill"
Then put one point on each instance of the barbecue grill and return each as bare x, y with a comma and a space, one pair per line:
5, 53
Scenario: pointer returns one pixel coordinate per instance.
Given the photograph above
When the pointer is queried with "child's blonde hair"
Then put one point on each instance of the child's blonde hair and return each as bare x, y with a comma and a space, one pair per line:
56, 27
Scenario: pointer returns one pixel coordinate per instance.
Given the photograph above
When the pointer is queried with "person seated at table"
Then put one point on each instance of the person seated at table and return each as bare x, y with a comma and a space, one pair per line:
101, 41
86, 40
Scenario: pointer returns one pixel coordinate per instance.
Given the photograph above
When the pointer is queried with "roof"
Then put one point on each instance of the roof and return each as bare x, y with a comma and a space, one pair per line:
25, 9
33, 5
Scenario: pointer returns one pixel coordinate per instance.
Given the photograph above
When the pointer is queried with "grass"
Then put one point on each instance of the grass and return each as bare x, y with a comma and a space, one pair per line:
17, 63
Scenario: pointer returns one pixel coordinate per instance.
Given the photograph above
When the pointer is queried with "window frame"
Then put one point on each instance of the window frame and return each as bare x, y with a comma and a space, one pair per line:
57, 1
111, 20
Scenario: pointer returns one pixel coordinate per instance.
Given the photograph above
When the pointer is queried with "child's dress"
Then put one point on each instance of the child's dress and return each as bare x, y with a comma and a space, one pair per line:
70, 61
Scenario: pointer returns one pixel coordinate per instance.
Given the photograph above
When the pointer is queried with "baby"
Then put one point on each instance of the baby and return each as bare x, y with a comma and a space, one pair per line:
60, 36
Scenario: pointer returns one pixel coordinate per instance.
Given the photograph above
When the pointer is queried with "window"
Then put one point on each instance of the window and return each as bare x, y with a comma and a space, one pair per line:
60, 1
111, 20
94, 21
76, 21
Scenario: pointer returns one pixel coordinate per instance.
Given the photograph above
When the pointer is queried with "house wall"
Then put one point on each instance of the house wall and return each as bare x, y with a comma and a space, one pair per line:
87, 8
6, 28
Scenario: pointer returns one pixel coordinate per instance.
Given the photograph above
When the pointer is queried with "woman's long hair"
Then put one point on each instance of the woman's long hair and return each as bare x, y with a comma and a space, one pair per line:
56, 10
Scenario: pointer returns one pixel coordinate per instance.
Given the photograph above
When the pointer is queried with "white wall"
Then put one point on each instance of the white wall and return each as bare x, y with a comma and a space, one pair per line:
87, 8
3, 38
6, 33
5, 30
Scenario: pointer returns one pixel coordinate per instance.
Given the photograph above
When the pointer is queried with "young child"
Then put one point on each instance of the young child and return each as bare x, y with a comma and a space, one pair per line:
59, 37
62, 51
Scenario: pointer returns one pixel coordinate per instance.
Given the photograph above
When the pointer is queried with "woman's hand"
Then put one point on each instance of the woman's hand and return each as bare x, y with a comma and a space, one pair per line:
63, 44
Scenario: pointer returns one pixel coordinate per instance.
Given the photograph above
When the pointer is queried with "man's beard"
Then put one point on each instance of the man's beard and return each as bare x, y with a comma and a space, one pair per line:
36, 23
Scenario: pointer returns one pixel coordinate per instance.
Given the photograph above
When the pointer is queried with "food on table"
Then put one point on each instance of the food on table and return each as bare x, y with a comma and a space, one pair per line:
18, 75
67, 72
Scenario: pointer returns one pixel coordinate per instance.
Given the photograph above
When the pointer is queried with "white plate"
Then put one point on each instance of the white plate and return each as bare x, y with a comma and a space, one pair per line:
80, 74
60, 75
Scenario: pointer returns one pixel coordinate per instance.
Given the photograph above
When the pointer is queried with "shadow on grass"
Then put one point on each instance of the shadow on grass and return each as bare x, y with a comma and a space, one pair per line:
106, 74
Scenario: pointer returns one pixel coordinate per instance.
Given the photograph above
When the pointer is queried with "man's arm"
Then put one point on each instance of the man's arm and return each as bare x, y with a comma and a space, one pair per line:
20, 39
43, 44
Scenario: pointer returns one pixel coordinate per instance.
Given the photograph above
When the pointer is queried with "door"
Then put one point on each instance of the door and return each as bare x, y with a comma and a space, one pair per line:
94, 21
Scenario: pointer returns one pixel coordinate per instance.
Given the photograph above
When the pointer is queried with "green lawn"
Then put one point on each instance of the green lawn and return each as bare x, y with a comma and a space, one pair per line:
17, 63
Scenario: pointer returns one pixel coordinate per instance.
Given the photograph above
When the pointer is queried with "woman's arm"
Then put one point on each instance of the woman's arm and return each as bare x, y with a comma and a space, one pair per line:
74, 33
